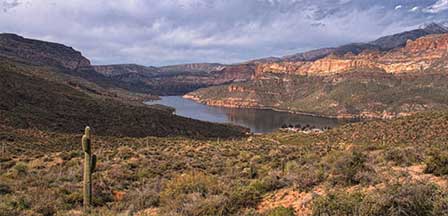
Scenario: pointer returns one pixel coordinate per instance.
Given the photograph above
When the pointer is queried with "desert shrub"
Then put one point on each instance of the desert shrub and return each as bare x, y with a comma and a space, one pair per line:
407, 199
304, 177
250, 195
20, 169
74, 199
13, 204
281, 211
338, 203
349, 168
4, 189
403, 156
437, 163
142, 199
393, 200
193, 194
71, 154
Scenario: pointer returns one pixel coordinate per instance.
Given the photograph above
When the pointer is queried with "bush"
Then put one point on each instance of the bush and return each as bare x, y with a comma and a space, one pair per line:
193, 194
437, 163
281, 211
304, 177
349, 168
250, 195
20, 169
403, 156
338, 203
408, 199
394, 200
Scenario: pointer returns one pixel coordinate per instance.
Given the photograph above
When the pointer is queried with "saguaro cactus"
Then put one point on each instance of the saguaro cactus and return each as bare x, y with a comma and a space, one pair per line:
89, 167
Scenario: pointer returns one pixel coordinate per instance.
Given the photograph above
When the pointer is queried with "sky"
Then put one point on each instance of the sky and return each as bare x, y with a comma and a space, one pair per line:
165, 32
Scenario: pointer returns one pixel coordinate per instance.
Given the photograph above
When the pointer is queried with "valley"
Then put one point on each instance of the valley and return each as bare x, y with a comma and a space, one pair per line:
227, 156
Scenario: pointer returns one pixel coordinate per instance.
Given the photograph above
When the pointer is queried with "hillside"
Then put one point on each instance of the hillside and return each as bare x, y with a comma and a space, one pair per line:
376, 168
61, 103
40, 52
380, 84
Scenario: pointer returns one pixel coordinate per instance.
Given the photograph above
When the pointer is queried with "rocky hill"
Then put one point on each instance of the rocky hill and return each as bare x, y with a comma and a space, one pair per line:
372, 83
52, 87
40, 52
29, 101
382, 44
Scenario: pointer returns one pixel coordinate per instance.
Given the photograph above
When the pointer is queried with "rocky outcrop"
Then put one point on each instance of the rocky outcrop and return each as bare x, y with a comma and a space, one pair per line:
40, 52
416, 56
385, 43
370, 84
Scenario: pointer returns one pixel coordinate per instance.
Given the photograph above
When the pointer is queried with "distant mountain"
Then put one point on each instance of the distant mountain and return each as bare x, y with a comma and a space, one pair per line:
176, 79
383, 44
193, 68
181, 79
399, 40
123, 69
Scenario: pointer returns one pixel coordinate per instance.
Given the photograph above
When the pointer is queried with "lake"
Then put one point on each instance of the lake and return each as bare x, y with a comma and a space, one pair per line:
257, 120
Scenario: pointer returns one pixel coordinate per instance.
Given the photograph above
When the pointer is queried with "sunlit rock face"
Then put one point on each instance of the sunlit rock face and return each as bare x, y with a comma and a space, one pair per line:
416, 56
373, 83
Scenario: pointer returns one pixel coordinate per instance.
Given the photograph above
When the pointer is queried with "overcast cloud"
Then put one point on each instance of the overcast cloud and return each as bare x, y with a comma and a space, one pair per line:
162, 32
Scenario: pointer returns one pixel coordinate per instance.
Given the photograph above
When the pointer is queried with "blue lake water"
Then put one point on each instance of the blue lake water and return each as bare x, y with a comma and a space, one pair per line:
257, 120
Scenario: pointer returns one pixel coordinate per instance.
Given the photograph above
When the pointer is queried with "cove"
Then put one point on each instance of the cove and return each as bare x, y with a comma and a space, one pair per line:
257, 120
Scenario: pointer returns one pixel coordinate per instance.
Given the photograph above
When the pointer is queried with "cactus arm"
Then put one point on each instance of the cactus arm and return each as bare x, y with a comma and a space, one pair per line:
93, 164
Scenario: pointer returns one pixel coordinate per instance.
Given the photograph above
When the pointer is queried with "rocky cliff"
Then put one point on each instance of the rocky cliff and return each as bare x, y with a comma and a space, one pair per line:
372, 83
416, 56
40, 52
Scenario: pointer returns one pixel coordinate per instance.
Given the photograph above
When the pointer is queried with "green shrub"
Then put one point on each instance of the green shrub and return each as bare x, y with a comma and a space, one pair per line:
338, 203
407, 199
349, 168
193, 194
304, 177
403, 156
393, 200
437, 163
20, 168
281, 211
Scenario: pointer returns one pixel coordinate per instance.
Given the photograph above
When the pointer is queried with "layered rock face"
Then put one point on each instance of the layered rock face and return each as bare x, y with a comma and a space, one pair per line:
40, 52
416, 56
371, 84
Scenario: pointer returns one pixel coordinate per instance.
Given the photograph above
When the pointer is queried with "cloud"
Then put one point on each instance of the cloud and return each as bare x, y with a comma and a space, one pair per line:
154, 32
414, 9
439, 6
5, 5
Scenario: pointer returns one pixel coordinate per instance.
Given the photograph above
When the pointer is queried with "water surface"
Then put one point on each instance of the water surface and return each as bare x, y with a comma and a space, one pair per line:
257, 120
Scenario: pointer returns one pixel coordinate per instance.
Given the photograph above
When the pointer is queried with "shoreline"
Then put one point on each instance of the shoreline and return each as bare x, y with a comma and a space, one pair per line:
346, 117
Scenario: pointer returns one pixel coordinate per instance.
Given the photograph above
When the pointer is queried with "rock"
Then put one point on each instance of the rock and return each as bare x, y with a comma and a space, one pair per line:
40, 52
